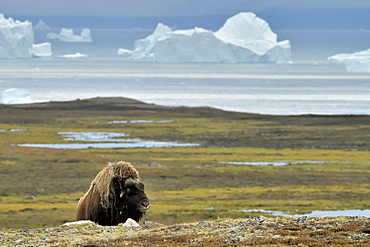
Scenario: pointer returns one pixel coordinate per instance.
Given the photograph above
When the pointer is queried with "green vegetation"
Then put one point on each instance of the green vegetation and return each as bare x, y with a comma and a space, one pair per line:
39, 187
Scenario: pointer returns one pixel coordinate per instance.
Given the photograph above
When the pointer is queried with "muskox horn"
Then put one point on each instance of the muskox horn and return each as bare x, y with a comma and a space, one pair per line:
115, 195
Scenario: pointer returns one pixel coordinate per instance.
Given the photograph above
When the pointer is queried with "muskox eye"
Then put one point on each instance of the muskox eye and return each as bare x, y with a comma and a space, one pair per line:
128, 190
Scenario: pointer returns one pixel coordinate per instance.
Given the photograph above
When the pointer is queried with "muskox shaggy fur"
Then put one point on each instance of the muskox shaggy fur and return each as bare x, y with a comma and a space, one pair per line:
115, 195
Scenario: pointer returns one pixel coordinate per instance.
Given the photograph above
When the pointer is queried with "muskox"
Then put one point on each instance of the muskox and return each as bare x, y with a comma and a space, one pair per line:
115, 195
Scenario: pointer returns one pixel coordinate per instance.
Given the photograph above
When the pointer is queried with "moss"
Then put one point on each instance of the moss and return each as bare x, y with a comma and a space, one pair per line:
192, 182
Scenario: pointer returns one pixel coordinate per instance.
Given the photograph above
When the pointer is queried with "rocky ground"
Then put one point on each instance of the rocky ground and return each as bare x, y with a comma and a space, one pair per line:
259, 231
218, 131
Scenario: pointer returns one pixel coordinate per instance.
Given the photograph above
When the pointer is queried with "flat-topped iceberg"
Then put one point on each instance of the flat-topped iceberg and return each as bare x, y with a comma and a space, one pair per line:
42, 50
16, 38
244, 38
358, 62
67, 35
74, 56
15, 96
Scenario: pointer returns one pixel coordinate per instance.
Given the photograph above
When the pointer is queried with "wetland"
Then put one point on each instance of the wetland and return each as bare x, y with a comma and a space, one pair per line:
228, 172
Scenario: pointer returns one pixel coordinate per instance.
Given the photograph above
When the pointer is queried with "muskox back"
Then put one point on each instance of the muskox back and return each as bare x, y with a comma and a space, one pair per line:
115, 195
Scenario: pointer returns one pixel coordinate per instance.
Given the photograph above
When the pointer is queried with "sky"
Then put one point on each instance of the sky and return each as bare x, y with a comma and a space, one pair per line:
284, 14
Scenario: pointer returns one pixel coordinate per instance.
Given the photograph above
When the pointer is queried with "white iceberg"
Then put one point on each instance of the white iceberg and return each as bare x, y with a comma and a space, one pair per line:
41, 26
74, 56
67, 35
52, 36
124, 52
244, 38
16, 38
42, 50
358, 62
15, 96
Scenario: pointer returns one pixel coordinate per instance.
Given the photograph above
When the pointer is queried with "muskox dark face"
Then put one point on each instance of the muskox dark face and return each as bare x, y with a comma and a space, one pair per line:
115, 195
132, 201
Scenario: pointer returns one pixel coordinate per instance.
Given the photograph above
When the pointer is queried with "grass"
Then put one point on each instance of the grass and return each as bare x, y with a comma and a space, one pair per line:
191, 184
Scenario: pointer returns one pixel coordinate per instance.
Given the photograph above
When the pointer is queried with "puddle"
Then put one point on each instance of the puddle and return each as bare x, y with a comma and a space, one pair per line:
13, 130
96, 136
142, 144
140, 121
255, 163
262, 163
104, 140
316, 213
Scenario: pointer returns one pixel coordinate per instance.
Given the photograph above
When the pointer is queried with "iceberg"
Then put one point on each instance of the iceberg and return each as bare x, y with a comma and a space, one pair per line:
15, 96
244, 38
74, 56
42, 50
16, 38
124, 52
41, 26
67, 35
358, 62
52, 36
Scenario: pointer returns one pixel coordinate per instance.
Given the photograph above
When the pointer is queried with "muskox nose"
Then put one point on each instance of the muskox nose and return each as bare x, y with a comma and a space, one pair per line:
145, 204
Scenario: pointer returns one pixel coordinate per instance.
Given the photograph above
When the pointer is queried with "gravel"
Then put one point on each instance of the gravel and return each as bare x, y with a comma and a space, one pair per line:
260, 231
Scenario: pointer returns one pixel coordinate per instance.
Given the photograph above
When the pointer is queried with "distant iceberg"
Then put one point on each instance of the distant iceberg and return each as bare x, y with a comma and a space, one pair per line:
15, 96
42, 50
67, 35
16, 38
358, 62
125, 53
74, 56
244, 38
41, 26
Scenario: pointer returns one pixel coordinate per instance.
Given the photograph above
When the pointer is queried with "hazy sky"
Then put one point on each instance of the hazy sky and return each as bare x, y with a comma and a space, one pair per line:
355, 11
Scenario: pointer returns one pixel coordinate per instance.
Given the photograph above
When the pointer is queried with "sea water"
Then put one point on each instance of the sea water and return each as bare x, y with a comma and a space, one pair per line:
308, 85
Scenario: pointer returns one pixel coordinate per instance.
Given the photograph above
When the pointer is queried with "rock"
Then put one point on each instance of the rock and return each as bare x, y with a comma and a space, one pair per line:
302, 219
80, 222
155, 164
203, 223
131, 224
153, 225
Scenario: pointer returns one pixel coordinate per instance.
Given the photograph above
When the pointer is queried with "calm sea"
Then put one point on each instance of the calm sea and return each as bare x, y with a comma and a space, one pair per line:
307, 86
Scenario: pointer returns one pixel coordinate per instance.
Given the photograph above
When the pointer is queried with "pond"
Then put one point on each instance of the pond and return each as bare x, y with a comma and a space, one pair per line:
84, 140
271, 163
139, 121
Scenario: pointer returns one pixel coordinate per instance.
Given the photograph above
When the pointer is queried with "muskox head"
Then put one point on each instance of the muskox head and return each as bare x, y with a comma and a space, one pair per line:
133, 202
115, 195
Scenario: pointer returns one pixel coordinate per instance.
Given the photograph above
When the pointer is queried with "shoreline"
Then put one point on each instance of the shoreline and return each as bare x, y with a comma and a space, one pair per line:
116, 102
